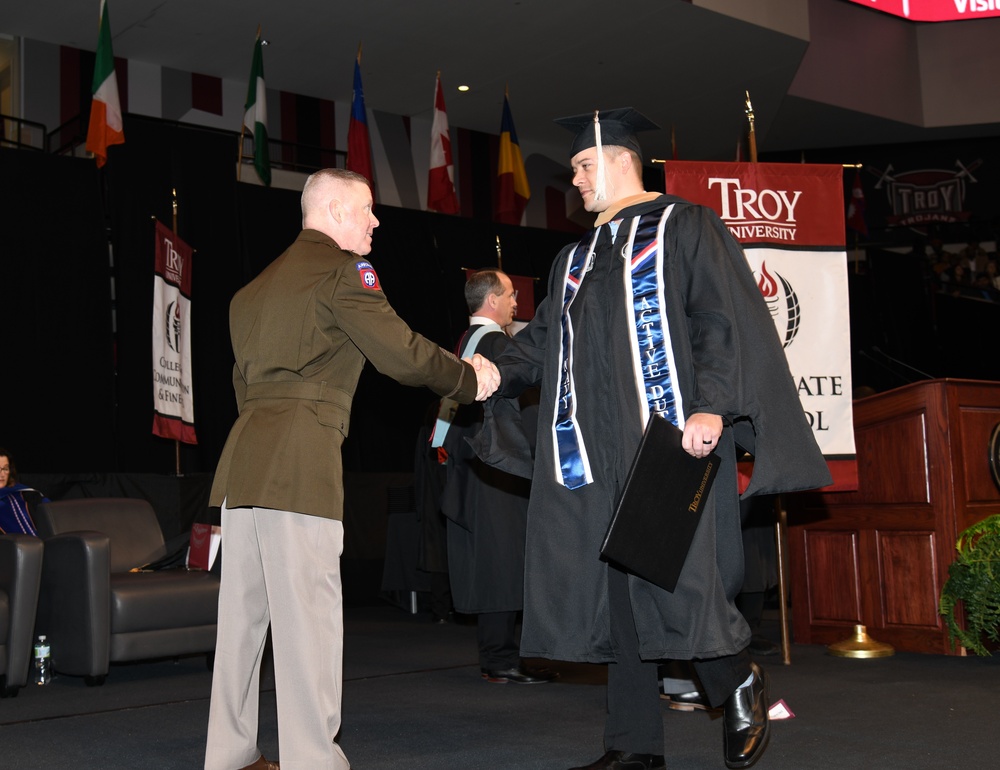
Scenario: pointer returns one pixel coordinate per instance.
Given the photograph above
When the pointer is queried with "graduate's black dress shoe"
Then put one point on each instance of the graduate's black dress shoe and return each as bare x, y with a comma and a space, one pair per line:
517, 675
624, 760
746, 726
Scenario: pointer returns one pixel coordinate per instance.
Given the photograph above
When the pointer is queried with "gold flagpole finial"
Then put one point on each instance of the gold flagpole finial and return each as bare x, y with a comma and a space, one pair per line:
359, 52
752, 137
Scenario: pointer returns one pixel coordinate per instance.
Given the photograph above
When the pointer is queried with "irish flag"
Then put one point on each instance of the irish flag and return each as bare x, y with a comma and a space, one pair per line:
105, 112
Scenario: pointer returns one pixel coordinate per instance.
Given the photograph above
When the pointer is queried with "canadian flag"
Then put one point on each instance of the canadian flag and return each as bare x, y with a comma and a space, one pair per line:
441, 177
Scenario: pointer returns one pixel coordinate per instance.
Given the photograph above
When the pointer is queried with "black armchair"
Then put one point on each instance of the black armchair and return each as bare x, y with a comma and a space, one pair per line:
20, 577
95, 610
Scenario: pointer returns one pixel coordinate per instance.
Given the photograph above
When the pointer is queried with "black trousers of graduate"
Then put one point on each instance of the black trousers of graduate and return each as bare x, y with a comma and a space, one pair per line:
635, 721
496, 634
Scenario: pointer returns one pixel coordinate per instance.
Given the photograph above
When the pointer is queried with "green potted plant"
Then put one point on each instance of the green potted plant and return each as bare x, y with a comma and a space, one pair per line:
974, 580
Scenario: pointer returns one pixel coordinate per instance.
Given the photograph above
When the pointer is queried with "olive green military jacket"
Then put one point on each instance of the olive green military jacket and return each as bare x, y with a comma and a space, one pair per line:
301, 332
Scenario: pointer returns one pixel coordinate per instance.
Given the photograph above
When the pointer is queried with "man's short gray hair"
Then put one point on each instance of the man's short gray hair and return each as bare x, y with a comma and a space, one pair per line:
323, 176
482, 284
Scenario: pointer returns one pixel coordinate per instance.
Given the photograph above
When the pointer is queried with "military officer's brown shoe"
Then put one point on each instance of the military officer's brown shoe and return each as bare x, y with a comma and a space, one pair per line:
262, 764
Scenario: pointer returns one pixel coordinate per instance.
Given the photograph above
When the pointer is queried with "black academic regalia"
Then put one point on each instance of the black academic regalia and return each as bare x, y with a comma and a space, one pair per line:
487, 513
728, 361
429, 477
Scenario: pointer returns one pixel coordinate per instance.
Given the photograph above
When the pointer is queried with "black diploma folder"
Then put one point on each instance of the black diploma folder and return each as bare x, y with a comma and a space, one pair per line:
656, 518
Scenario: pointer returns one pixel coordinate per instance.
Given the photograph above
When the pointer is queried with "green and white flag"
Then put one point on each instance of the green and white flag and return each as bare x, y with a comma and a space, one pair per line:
105, 127
255, 118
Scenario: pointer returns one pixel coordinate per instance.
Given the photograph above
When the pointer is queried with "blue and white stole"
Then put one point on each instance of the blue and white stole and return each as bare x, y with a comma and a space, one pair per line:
648, 334
449, 406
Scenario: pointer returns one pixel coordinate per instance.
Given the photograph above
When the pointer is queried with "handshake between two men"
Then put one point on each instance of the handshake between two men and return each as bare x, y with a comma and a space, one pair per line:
487, 375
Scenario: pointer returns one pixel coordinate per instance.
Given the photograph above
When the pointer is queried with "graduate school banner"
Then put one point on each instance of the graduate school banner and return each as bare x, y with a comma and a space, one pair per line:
173, 406
789, 218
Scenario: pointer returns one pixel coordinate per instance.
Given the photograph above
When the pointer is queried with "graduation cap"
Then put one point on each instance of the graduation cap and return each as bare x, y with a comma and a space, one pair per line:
607, 127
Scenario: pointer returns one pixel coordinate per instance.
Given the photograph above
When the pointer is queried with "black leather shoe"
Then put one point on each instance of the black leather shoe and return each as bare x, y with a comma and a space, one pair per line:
746, 726
686, 701
518, 675
624, 760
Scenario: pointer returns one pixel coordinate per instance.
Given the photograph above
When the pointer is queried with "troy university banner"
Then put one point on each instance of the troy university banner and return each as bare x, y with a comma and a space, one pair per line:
789, 218
173, 407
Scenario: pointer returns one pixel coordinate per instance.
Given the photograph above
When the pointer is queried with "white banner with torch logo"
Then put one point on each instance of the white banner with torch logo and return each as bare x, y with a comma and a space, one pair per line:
173, 403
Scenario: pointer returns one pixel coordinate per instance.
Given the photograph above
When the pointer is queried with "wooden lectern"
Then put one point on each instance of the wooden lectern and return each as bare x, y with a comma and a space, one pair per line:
879, 556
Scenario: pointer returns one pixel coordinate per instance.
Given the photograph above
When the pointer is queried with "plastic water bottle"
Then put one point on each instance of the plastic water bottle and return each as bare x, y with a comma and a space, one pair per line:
43, 661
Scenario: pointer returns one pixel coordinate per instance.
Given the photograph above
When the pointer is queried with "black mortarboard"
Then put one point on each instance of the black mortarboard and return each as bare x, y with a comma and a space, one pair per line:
618, 127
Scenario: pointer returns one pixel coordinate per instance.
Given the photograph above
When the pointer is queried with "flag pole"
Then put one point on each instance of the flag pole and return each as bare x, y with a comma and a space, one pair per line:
752, 138
239, 155
243, 128
177, 443
499, 255
780, 516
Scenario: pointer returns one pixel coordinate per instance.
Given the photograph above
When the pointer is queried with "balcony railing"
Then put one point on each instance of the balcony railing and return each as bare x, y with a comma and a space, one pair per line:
71, 136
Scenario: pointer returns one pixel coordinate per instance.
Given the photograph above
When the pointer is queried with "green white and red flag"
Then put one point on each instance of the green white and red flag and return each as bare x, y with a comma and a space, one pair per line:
105, 127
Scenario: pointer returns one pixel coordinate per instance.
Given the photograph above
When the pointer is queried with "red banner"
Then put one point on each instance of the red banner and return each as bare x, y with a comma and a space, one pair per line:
785, 204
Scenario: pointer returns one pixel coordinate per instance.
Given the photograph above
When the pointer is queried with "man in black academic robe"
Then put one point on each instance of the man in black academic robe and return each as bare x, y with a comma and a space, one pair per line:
487, 508
731, 384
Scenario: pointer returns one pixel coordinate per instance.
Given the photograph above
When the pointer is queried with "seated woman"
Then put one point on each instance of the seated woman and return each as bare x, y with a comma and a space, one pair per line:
16, 500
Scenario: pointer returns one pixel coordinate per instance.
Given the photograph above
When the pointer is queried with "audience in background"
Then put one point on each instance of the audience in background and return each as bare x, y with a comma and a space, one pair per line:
963, 271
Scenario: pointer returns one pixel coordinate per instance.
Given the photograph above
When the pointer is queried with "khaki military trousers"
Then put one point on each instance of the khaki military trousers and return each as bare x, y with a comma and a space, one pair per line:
281, 569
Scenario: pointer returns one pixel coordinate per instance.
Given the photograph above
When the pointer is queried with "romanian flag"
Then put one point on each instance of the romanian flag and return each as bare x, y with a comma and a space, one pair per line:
441, 177
359, 148
105, 127
255, 116
513, 191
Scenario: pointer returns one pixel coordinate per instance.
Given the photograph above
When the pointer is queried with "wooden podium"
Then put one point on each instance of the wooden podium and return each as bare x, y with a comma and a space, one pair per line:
879, 556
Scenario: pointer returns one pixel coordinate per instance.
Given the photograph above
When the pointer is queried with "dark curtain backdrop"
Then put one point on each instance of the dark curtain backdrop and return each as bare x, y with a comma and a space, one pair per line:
78, 398
57, 391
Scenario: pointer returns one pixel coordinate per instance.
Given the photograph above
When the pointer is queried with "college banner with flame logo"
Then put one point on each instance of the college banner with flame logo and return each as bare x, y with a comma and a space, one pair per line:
173, 406
789, 218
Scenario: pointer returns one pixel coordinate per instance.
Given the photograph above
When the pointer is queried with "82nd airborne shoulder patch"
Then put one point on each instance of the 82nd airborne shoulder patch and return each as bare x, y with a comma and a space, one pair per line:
369, 279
